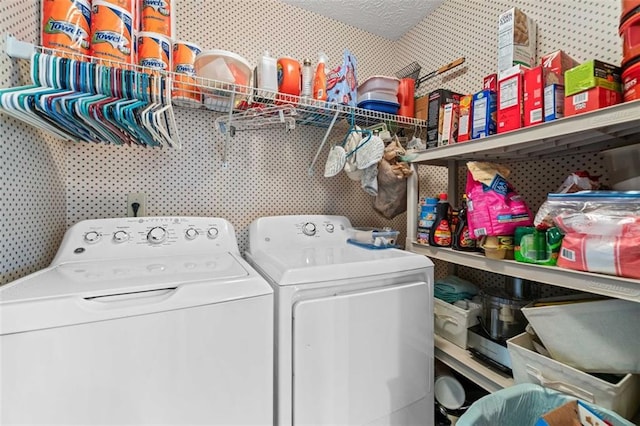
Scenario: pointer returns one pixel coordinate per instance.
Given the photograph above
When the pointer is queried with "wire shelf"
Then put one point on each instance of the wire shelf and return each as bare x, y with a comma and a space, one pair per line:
235, 100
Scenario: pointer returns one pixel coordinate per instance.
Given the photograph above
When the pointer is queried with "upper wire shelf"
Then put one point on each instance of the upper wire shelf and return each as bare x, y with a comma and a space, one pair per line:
241, 103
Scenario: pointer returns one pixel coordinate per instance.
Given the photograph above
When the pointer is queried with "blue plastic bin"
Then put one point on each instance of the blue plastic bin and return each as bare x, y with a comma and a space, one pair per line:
523, 405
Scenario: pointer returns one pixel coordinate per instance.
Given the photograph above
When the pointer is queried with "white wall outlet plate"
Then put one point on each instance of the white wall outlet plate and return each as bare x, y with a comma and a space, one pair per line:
136, 204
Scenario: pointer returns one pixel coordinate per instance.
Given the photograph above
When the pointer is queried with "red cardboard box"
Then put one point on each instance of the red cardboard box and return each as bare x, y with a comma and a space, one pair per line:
491, 82
510, 99
554, 65
590, 100
464, 121
533, 96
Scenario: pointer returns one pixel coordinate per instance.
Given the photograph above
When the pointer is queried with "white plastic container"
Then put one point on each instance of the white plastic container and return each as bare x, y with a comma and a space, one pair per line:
600, 336
452, 322
377, 96
380, 83
267, 75
225, 72
528, 366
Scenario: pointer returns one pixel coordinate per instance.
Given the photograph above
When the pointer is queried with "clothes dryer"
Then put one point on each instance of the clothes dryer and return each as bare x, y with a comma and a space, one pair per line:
154, 320
354, 327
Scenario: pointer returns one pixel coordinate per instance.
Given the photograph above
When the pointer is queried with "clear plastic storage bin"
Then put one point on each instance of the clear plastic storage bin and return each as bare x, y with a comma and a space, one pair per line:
372, 238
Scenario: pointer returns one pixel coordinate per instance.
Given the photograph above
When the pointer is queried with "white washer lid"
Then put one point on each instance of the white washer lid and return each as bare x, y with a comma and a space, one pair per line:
78, 292
306, 265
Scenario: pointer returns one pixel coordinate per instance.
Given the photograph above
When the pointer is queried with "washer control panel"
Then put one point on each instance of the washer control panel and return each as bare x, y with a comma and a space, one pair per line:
136, 237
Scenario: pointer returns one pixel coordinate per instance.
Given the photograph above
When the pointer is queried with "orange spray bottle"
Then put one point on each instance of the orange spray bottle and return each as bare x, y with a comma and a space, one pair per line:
320, 79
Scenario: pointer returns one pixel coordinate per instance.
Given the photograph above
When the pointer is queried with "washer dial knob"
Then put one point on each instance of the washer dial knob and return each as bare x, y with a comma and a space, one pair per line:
212, 233
157, 235
92, 237
120, 236
191, 233
329, 227
309, 229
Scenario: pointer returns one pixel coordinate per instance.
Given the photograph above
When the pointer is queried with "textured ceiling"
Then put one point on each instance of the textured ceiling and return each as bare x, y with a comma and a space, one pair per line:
387, 18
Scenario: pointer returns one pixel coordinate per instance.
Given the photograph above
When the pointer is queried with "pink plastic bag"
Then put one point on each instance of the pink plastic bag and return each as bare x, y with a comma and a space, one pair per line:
605, 254
496, 209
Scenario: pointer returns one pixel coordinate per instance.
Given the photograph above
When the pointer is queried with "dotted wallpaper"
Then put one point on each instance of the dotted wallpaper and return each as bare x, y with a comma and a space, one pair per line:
33, 208
48, 185
584, 29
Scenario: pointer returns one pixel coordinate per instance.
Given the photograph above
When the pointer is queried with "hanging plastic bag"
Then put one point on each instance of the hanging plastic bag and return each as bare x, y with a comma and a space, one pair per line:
392, 182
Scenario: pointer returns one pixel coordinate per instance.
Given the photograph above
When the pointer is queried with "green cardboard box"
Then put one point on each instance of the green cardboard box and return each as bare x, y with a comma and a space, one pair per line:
590, 74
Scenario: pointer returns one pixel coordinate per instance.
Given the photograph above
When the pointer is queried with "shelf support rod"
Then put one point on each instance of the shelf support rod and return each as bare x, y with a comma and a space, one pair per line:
230, 131
412, 205
324, 140
18, 49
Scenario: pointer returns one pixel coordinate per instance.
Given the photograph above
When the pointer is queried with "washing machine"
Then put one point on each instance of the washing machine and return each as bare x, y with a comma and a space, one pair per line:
353, 326
154, 320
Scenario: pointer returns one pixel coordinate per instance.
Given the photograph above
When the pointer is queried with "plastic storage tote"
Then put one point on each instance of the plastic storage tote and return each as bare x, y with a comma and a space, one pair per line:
452, 322
523, 405
617, 393
573, 332
372, 238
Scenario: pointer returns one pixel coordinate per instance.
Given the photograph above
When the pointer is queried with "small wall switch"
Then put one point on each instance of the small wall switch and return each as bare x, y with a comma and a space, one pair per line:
136, 204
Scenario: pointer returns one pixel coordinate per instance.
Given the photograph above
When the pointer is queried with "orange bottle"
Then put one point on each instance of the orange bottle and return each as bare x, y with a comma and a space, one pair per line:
320, 80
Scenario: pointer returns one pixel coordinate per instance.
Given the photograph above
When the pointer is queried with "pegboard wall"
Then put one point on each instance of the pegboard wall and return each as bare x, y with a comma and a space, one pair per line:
48, 185
460, 28
33, 209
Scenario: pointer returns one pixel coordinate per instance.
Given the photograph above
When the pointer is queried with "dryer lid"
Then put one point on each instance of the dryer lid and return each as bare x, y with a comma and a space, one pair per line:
306, 265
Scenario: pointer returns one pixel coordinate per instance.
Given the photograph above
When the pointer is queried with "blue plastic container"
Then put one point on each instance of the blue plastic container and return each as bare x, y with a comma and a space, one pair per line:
380, 106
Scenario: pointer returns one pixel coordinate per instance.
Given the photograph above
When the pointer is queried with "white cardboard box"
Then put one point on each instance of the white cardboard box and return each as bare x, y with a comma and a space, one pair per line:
450, 124
529, 366
517, 38
452, 322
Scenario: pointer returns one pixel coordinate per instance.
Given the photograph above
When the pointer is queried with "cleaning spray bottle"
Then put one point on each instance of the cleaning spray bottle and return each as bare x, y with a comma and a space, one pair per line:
320, 79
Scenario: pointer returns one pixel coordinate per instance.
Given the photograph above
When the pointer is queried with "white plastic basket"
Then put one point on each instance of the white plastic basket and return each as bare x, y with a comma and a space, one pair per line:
452, 322
528, 366
597, 335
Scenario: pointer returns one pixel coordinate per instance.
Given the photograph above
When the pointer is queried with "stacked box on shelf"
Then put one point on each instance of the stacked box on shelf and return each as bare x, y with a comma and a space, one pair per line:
517, 39
483, 114
435, 114
592, 85
533, 96
510, 98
